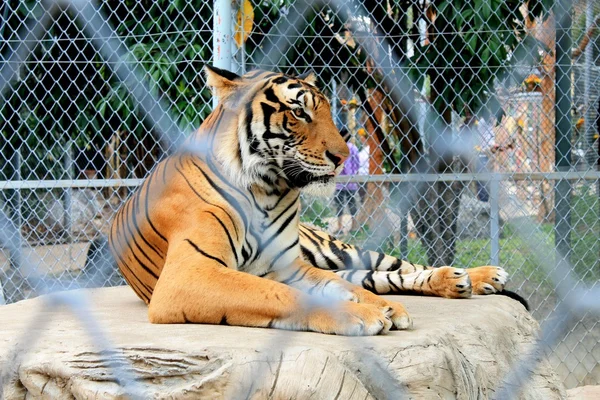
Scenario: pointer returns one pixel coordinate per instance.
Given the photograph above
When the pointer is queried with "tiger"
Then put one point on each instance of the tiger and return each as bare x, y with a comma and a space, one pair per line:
213, 234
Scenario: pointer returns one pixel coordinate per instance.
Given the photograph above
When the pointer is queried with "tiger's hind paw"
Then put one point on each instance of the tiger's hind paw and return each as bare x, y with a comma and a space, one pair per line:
450, 282
487, 279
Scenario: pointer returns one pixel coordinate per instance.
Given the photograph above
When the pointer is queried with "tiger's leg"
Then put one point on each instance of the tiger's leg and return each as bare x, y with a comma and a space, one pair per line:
196, 286
382, 273
328, 284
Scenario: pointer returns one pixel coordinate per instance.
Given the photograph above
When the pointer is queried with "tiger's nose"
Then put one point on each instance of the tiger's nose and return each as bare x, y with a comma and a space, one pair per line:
336, 158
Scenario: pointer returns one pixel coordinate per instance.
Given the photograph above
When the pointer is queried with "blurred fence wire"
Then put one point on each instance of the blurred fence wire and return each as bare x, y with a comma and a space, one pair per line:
476, 131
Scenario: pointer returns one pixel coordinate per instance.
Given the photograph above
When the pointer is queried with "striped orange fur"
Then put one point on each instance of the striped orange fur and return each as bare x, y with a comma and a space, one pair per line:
214, 236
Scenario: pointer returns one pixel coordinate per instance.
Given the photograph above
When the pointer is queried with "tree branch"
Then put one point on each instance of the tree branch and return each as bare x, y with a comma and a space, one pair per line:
585, 40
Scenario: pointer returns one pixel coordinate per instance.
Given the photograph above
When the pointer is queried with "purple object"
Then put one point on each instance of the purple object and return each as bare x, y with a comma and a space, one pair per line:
350, 168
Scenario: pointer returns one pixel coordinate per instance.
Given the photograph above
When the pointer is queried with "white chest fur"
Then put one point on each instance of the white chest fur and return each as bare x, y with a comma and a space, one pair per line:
274, 229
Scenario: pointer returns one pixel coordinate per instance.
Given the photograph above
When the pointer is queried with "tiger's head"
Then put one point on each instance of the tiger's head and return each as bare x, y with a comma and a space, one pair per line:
285, 134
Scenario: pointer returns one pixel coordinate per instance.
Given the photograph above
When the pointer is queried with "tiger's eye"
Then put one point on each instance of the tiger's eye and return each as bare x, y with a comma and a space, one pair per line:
298, 112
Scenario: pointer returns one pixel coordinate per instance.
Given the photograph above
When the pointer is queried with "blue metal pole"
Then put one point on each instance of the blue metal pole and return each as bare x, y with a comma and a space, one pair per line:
222, 36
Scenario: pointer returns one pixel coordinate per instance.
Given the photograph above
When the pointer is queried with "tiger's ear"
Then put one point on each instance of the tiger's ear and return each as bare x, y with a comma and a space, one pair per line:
223, 83
309, 77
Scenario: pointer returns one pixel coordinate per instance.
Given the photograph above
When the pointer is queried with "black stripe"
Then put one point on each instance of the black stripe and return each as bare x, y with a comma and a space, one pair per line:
290, 281
233, 202
124, 265
281, 197
379, 260
280, 230
249, 134
254, 74
396, 288
199, 250
135, 212
207, 202
256, 205
144, 266
245, 255
316, 237
137, 197
233, 250
308, 255
228, 197
396, 265
291, 277
164, 174
294, 203
268, 111
136, 288
282, 252
117, 253
270, 96
330, 263
127, 219
147, 208
422, 283
220, 176
350, 275
369, 278
365, 257
344, 257
280, 80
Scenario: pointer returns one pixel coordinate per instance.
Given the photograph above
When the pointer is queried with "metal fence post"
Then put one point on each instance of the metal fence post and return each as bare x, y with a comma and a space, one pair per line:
222, 35
562, 189
494, 220
404, 233
590, 110
11, 287
238, 56
68, 192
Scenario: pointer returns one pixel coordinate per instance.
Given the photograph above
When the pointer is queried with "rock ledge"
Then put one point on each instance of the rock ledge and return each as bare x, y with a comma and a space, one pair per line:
457, 349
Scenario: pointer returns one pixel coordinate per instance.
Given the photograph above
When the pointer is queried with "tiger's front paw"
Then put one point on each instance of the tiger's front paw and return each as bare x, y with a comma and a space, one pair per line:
488, 279
395, 311
450, 282
351, 319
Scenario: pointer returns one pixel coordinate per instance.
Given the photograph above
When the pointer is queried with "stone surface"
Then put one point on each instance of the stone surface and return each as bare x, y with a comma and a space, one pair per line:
457, 349
52, 259
584, 393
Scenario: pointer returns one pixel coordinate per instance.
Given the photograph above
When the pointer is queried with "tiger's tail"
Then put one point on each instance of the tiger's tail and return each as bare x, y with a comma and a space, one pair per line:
515, 296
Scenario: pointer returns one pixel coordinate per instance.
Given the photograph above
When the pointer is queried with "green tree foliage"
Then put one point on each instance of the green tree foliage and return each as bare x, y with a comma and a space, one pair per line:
67, 92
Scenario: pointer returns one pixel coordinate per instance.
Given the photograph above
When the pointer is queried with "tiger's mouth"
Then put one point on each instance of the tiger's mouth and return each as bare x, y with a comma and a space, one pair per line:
304, 178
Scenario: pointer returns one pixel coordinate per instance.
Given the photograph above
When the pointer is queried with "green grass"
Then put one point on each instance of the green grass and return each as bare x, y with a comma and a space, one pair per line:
585, 235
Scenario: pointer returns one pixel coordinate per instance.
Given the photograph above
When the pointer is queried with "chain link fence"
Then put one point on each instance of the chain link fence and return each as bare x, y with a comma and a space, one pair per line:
466, 122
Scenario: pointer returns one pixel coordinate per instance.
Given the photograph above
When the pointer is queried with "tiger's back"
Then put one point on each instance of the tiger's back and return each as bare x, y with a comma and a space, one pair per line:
175, 194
